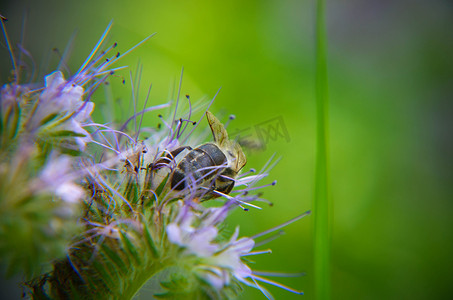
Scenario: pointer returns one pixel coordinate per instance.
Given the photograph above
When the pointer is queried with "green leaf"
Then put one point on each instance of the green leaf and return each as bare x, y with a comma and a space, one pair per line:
65, 133
115, 258
150, 243
48, 119
130, 248
105, 276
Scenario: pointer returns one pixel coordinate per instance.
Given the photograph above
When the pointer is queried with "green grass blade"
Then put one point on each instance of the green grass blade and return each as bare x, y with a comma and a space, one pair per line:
321, 205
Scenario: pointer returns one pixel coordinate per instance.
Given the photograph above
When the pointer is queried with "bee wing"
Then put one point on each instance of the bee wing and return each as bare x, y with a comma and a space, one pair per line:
218, 130
241, 159
221, 138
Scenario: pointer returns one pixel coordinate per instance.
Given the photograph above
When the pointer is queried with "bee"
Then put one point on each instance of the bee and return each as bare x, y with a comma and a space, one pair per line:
213, 165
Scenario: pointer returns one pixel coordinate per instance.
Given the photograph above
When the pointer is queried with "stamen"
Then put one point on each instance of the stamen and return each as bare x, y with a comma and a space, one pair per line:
66, 52
177, 97
278, 274
96, 48
96, 74
142, 113
268, 251
121, 133
91, 91
189, 115
180, 132
264, 291
33, 63
230, 118
10, 50
201, 118
131, 49
256, 188
269, 239
274, 283
144, 107
105, 146
113, 190
282, 225
235, 199
134, 99
166, 124
22, 39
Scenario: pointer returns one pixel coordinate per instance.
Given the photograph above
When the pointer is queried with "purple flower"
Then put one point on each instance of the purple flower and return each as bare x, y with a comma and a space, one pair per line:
227, 261
196, 240
197, 233
58, 178
63, 99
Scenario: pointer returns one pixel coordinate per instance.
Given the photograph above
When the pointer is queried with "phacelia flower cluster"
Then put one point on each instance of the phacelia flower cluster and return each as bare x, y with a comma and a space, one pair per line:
98, 210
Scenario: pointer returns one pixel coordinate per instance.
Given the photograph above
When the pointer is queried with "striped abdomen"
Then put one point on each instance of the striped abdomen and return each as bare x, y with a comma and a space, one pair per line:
201, 165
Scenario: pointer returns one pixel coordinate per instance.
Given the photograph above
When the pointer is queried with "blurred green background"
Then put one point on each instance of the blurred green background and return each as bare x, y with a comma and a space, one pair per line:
391, 92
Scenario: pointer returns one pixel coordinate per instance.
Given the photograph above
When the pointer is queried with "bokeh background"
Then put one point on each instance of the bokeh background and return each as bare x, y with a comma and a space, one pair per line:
391, 91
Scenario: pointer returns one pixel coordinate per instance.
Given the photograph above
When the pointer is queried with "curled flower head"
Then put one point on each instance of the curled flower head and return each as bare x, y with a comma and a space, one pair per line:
143, 192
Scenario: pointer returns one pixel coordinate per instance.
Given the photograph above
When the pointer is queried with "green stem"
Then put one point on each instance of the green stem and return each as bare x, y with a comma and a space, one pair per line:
321, 198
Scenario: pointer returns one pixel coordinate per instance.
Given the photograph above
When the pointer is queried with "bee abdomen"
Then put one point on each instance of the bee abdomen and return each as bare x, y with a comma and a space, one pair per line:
199, 165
